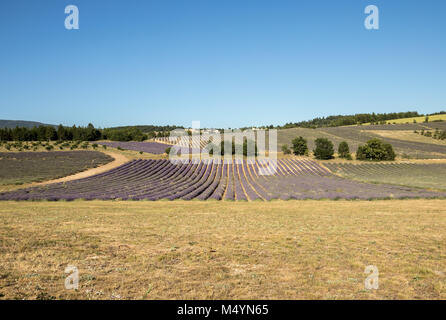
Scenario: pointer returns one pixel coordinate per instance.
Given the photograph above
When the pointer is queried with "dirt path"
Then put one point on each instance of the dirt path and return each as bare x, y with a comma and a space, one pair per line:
119, 160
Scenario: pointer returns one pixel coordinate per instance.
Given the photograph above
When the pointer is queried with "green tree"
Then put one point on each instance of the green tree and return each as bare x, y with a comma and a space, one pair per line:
344, 151
300, 147
249, 148
285, 149
375, 150
324, 149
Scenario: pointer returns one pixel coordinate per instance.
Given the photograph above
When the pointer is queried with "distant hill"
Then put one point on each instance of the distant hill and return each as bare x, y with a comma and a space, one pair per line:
22, 123
347, 120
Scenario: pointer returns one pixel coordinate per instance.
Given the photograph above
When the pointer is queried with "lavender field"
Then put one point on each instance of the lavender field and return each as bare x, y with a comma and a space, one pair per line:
26, 167
203, 180
149, 147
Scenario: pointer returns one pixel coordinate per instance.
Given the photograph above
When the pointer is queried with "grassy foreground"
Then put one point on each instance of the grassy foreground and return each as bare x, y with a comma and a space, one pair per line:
220, 250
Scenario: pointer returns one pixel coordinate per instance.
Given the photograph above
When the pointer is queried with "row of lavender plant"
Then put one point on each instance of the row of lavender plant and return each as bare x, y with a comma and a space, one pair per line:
160, 179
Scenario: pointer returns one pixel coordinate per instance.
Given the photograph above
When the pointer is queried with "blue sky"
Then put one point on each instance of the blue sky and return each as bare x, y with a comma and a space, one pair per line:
227, 63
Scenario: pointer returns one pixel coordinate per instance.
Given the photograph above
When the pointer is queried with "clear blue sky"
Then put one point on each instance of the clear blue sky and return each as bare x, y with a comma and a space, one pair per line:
227, 63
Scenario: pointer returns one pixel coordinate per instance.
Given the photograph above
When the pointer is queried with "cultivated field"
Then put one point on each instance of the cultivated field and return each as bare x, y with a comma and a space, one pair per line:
436, 117
408, 146
26, 167
421, 175
202, 180
149, 147
222, 250
408, 136
249, 245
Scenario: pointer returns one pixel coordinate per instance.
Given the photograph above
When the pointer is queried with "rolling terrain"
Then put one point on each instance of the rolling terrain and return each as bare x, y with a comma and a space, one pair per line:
22, 123
408, 145
202, 180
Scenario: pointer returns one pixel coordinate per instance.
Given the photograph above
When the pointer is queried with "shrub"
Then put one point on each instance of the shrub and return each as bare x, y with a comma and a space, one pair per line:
94, 145
375, 150
104, 147
167, 151
300, 147
49, 147
285, 149
324, 149
344, 151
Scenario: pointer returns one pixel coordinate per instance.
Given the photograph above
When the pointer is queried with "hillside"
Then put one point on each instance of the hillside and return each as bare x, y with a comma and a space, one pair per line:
22, 123
436, 117
400, 136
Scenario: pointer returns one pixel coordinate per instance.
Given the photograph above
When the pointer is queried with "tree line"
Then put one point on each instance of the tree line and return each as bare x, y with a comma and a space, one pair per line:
88, 133
346, 120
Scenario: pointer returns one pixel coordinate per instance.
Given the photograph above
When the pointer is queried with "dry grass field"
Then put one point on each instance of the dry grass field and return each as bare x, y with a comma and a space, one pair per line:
436, 117
221, 250
407, 135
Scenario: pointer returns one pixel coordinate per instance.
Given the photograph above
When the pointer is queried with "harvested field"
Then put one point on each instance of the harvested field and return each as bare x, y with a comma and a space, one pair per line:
408, 136
393, 127
421, 175
223, 250
436, 117
285, 136
149, 147
418, 150
357, 135
26, 167
202, 180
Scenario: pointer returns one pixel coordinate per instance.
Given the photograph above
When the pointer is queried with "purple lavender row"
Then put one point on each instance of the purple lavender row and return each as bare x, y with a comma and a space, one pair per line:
158, 179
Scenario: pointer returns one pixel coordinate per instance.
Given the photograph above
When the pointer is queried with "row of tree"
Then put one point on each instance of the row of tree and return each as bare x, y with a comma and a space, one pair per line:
61, 133
249, 147
346, 120
50, 133
374, 150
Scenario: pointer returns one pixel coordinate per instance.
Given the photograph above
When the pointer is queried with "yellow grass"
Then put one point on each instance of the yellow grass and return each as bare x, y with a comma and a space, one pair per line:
222, 250
417, 119
408, 135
